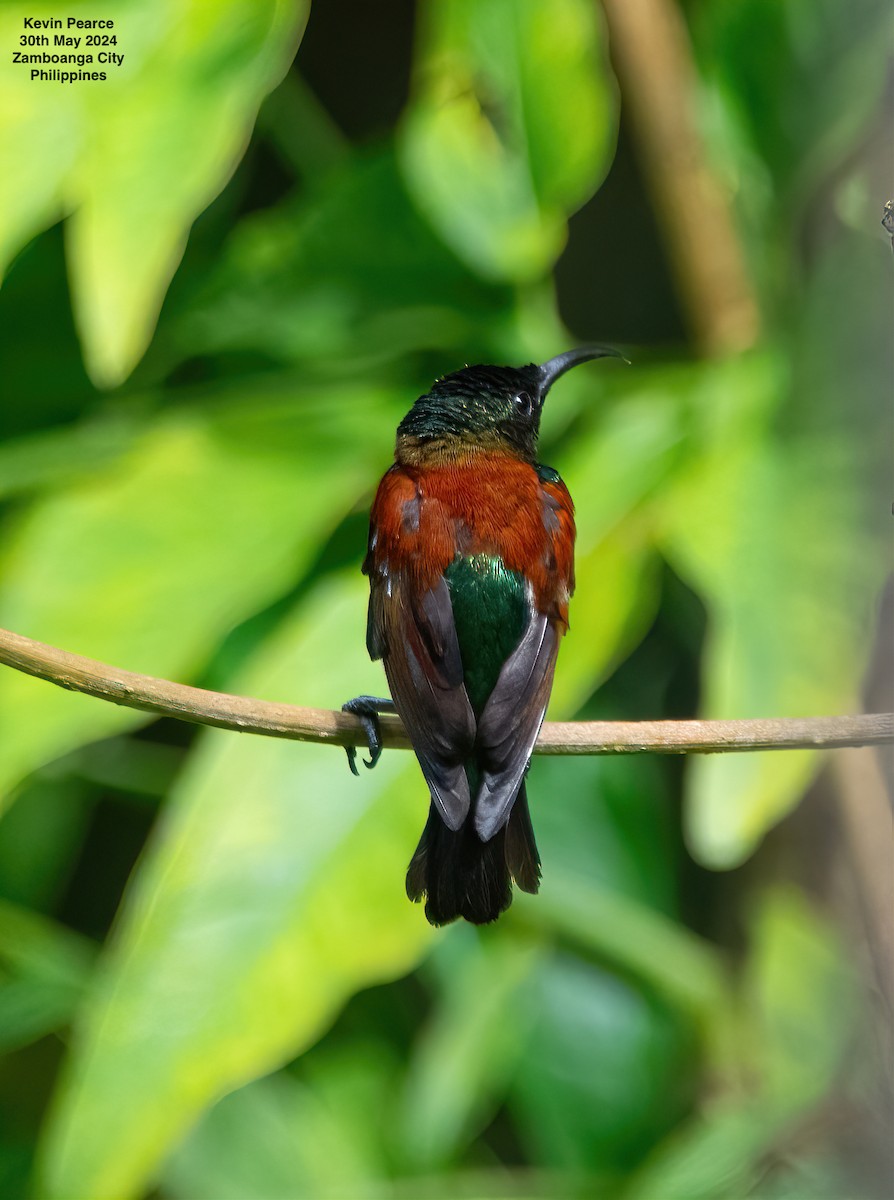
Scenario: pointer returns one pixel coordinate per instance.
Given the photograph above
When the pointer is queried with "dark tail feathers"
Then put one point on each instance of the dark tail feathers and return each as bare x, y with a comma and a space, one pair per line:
461, 876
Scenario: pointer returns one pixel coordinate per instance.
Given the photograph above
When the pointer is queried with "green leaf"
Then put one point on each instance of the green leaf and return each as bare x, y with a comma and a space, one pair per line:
52, 457
613, 469
250, 1144
601, 1074
617, 595
795, 1024
272, 892
511, 129
685, 971
137, 157
779, 527
150, 562
40, 839
615, 826
44, 969
276, 1137
714, 1158
347, 271
799, 996
39, 143
803, 78
471, 1044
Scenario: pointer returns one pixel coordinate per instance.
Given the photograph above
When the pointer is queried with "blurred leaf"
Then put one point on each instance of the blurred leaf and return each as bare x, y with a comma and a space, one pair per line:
40, 838
778, 525
252, 1143
602, 1069
305, 135
800, 996
44, 970
274, 1138
511, 129
612, 469
610, 821
804, 78
795, 1027
127, 765
355, 1075
818, 1175
347, 271
274, 890
712, 1159
473, 1041
15, 1166
137, 157
147, 564
59, 456
39, 143
618, 592
685, 971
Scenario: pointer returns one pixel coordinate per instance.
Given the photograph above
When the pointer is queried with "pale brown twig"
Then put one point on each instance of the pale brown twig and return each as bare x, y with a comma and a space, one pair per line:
248, 715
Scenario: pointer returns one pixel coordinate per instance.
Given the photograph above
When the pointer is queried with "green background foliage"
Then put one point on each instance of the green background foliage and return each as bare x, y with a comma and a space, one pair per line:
211, 982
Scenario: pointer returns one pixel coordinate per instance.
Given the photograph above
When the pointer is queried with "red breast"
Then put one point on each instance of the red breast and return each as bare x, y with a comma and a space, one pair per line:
422, 517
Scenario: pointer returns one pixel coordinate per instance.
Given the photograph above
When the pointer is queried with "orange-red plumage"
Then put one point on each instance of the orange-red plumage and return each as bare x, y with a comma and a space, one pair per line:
486, 503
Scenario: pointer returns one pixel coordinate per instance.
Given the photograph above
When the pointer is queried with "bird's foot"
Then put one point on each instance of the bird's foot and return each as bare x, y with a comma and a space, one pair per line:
368, 709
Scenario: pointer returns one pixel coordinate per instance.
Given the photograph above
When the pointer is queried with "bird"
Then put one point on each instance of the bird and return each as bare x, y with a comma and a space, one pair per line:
470, 561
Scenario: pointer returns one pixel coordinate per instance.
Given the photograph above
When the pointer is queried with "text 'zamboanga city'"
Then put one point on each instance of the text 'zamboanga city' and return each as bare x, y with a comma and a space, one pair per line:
77, 32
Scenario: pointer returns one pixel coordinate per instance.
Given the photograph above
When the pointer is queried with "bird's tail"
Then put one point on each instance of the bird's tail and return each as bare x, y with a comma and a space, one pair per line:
461, 876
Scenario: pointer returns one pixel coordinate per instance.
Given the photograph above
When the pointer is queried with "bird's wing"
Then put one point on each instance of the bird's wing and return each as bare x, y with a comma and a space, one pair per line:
511, 720
422, 661
411, 628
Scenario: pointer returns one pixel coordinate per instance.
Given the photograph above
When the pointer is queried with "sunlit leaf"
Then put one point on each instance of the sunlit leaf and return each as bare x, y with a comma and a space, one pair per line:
274, 890
486, 147
618, 591
612, 470
39, 142
58, 456
137, 157
148, 563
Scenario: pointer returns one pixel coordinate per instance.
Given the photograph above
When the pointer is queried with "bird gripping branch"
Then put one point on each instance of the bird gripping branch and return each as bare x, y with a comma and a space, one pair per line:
471, 568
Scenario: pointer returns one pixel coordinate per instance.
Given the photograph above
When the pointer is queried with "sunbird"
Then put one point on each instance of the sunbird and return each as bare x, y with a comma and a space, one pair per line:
471, 566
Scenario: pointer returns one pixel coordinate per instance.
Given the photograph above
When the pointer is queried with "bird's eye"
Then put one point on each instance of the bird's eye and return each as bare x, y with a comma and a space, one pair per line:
523, 403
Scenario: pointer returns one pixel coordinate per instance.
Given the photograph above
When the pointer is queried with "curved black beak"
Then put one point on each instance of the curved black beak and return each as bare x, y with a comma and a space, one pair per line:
554, 367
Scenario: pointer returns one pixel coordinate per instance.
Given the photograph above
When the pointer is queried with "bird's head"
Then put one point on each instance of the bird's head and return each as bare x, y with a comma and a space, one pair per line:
488, 408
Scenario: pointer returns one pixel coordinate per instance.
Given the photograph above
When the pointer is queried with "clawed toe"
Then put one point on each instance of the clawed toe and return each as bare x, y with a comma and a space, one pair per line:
367, 710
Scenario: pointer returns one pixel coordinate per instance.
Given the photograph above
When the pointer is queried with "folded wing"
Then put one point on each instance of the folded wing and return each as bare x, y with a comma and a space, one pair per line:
422, 661
511, 720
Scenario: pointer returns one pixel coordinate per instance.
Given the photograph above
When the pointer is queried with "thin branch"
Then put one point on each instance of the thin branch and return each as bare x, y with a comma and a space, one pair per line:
246, 715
